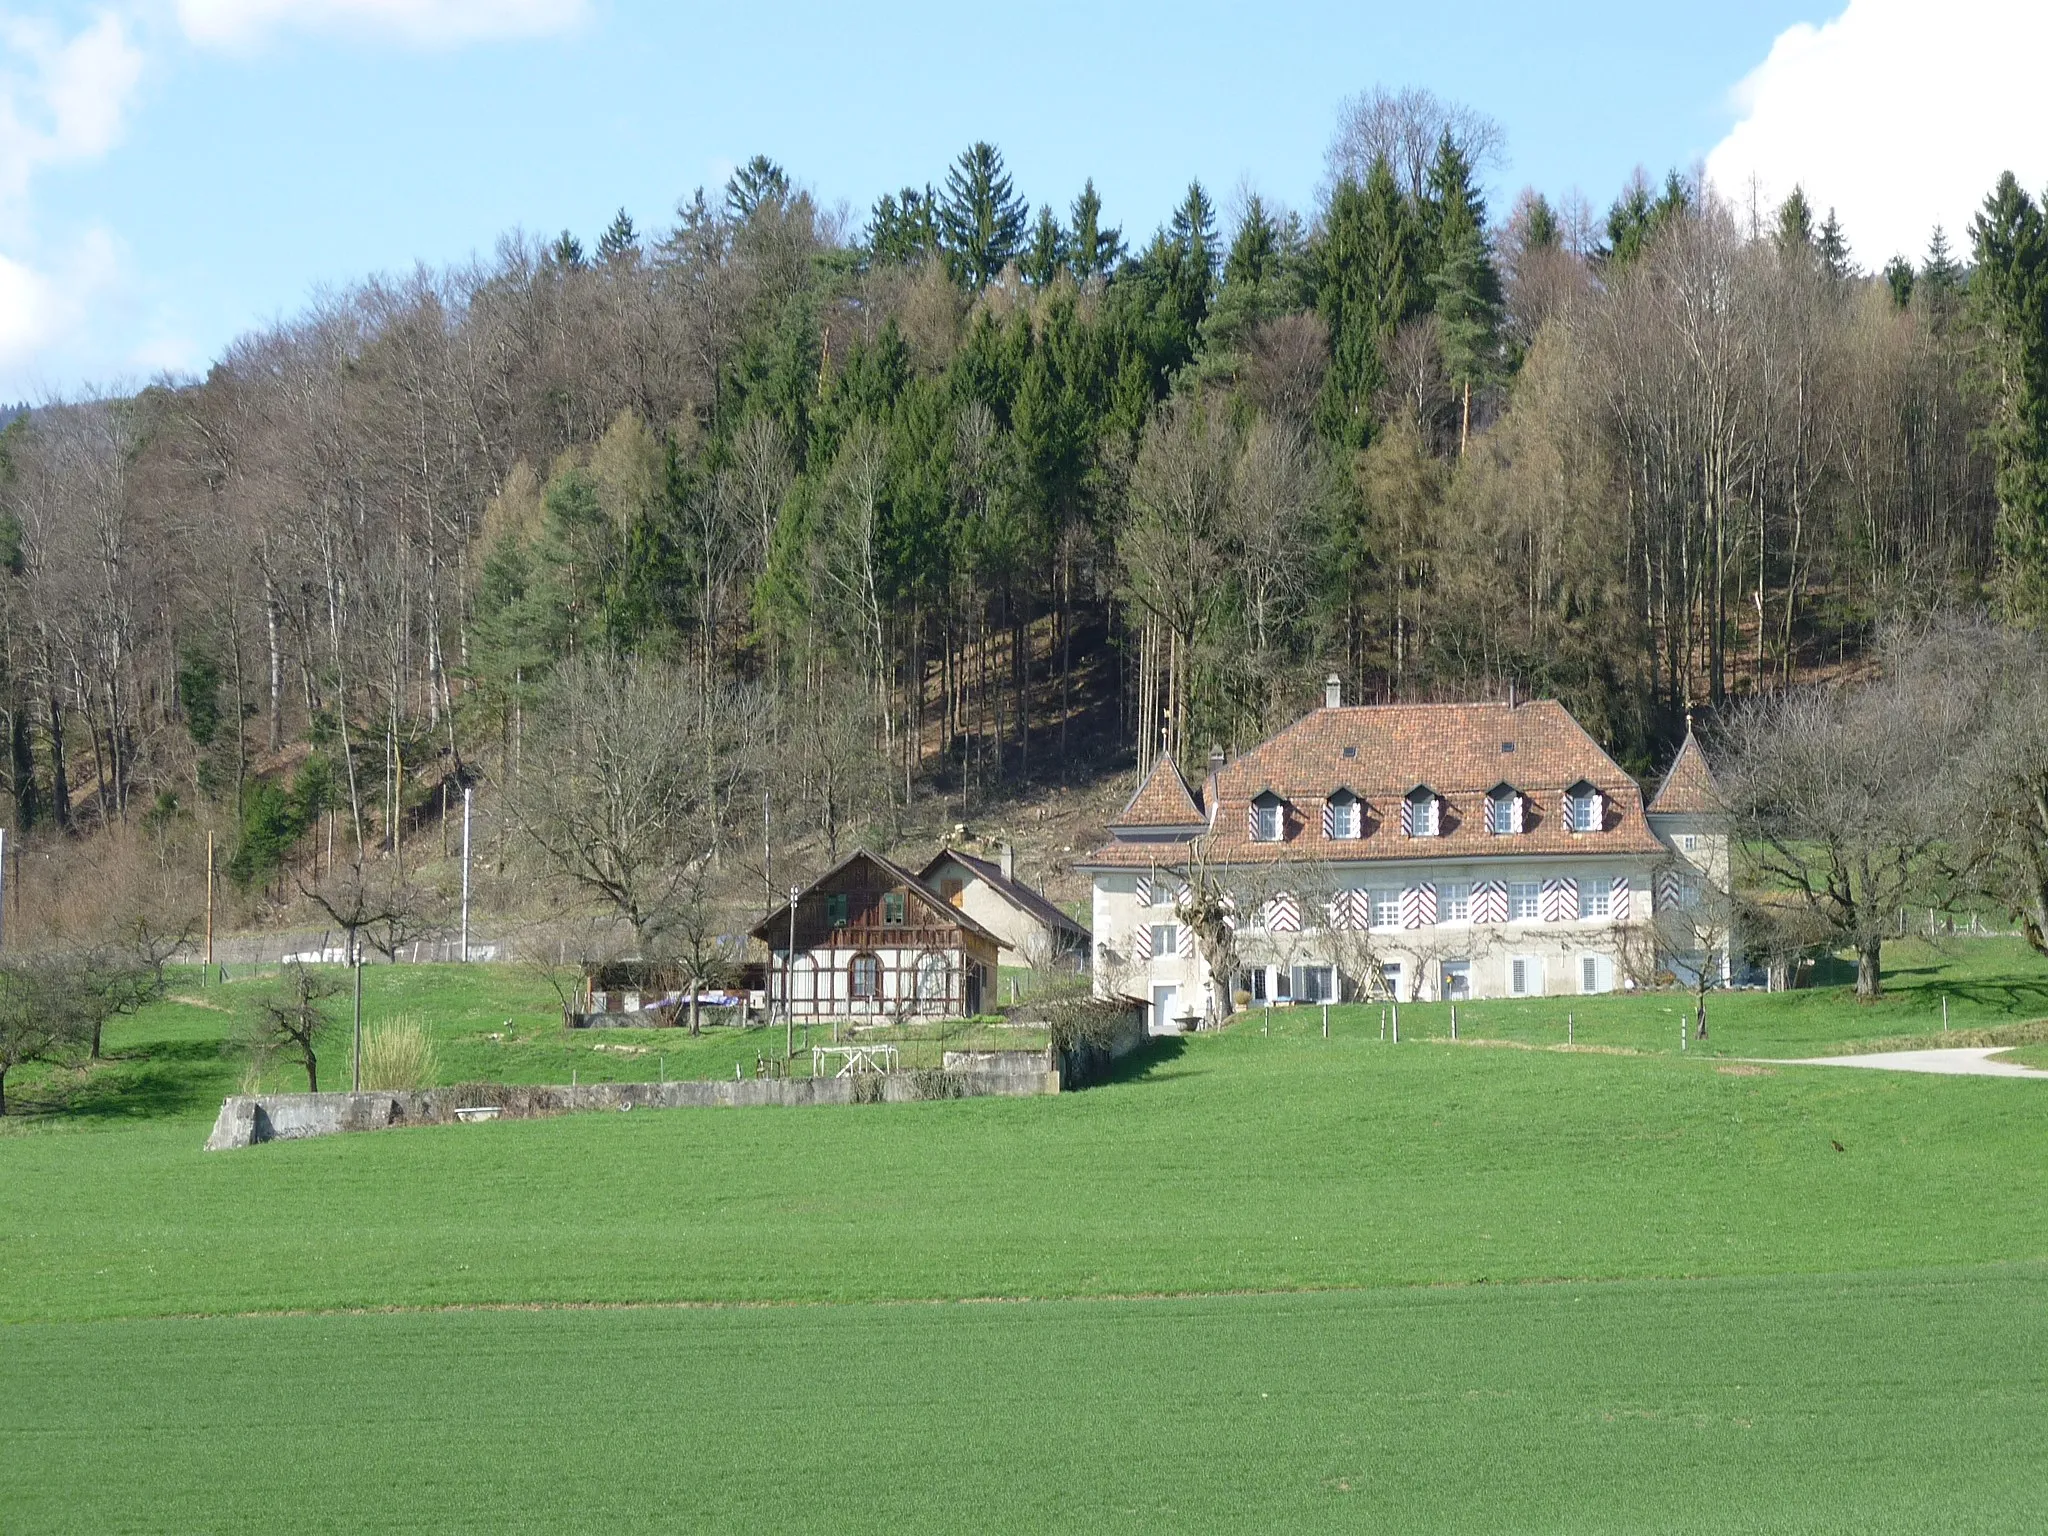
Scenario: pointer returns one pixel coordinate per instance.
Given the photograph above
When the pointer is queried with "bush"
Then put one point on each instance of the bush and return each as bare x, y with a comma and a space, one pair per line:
399, 1054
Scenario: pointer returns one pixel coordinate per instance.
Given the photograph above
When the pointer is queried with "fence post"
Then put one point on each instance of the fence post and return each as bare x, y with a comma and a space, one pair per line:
1326, 1021
1567, 1026
1454, 1021
1944, 1013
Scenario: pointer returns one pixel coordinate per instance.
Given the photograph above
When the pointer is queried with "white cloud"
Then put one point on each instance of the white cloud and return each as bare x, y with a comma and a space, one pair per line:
1899, 114
242, 24
61, 99
47, 306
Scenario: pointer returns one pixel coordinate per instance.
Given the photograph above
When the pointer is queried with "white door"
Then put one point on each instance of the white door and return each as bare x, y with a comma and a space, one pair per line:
1164, 1000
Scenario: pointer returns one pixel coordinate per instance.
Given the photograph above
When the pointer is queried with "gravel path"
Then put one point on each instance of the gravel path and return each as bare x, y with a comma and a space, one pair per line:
1964, 1061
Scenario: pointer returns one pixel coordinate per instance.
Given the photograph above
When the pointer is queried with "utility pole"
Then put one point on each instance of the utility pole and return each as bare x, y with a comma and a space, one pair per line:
209, 899
465, 873
789, 983
358, 1076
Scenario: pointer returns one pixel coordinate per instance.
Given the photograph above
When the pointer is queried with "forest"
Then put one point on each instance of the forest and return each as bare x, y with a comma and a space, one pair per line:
960, 496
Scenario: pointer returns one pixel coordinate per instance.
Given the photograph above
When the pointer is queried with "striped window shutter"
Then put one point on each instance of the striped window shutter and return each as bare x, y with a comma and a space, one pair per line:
1141, 942
1515, 811
1251, 820
1329, 819
1560, 901
1418, 905
1143, 891
1621, 898
1667, 888
1490, 901
1284, 913
1187, 942
1357, 910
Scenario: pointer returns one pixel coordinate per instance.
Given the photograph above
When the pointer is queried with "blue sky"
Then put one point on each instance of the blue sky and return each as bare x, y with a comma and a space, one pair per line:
173, 172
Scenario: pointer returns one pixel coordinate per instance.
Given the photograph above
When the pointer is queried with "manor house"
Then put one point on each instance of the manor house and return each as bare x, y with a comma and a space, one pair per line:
1412, 851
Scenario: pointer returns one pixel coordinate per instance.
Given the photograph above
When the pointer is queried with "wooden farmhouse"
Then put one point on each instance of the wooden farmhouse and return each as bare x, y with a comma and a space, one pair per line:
872, 941
1034, 932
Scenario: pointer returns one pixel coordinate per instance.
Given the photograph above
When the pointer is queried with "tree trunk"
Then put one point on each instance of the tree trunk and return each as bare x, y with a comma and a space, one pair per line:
1869, 979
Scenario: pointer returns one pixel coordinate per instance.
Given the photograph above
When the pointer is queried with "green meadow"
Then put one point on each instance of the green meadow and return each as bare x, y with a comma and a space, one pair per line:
1263, 1280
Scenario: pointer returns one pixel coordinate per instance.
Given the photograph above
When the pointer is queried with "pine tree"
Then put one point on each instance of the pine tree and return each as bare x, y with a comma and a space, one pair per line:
981, 218
1898, 277
759, 181
1046, 257
1795, 224
620, 242
567, 252
2009, 297
1833, 248
1462, 277
1540, 229
902, 227
1095, 250
1368, 278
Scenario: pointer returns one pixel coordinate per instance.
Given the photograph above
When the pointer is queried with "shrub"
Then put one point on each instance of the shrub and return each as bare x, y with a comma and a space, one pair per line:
399, 1054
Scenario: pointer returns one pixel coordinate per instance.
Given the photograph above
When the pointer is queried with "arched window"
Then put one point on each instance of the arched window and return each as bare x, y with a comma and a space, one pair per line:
864, 978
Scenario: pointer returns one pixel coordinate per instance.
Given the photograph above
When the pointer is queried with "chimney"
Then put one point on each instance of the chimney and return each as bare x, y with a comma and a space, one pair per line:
1216, 759
1333, 692
1009, 861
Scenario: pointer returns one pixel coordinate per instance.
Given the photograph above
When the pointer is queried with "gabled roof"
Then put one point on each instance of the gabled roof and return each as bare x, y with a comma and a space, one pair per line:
1163, 803
776, 924
1689, 787
1015, 892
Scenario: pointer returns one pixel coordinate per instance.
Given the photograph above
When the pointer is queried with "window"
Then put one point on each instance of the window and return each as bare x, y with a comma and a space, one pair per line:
1525, 976
1582, 809
950, 891
1314, 984
1257, 989
1343, 820
1266, 820
1525, 901
894, 907
934, 978
1457, 981
1454, 902
1386, 907
1688, 892
1164, 891
1688, 842
1418, 813
1165, 940
1503, 813
864, 978
1391, 973
835, 910
1596, 896
1596, 973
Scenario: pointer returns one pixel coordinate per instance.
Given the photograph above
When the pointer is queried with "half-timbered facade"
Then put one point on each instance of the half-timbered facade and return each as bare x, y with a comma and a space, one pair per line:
1432, 851
869, 940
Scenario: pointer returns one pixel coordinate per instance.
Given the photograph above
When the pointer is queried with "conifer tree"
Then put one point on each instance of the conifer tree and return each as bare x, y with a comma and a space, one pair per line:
759, 181
1833, 248
1368, 280
1540, 229
902, 227
620, 241
2009, 298
1898, 277
1095, 249
981, 218
567, 252
1047, 255
1795, 224
1463, 279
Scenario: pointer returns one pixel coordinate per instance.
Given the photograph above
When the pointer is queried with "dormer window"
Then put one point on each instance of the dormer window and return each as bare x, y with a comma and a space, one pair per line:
1504, 811
1269, 818
1419, 812
1583, 811
1343, 816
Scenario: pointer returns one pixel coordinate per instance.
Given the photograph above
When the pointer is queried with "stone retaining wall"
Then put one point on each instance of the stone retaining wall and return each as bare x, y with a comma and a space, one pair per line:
247, 1119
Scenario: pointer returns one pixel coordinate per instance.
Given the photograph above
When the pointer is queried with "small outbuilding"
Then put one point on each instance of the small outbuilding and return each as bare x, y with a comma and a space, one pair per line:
1033, 931
869, 940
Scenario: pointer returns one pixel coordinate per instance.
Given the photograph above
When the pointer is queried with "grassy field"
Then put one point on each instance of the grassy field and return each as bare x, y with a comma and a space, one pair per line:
1262, 1281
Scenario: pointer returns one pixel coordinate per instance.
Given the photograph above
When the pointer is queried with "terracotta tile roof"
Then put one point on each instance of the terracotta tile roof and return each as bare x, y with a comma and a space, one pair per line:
1689, 786
1380, 753
1162, 801
1016, 892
